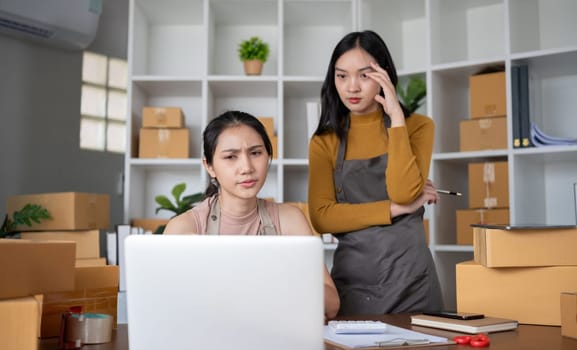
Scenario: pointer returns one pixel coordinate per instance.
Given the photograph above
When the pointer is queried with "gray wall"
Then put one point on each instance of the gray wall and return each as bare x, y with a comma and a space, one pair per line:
39, 117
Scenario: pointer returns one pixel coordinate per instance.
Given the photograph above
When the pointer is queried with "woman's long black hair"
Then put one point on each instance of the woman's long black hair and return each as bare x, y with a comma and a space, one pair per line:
334, 114
217, 126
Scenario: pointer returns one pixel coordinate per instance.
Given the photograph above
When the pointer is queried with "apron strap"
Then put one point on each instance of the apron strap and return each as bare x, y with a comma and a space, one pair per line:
266, 226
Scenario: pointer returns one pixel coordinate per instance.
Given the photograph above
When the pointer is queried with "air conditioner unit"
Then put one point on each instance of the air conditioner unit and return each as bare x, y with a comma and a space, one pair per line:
70, 24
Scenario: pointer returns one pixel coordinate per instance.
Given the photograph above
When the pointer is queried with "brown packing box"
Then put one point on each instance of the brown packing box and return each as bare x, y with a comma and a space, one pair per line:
274, 143
477, 216
569, 314
30, 268
527, 294
164, 143
69, 210
483, 134
162, 117
96, 290
86, 262
487, 95
87, 242
149, 224
524, 248
426, 224
19, 319
268, 123
489, 185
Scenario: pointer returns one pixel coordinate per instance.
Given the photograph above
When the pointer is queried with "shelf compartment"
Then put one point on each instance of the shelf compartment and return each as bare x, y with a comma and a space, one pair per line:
229, 23
257, 97
544, 192
168, 38
148, 181
542, 24
445, 262
466, 30
295, 187
311, 30
450, 94
552, 91
403, 26
296, 96
452, 175
179, 93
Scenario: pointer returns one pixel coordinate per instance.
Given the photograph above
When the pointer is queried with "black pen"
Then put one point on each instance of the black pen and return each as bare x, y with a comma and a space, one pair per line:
449, 192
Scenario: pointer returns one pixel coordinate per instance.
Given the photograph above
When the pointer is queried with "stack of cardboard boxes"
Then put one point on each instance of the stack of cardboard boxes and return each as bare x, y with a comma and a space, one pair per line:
525, 274
163, 133
73, 230
485, 130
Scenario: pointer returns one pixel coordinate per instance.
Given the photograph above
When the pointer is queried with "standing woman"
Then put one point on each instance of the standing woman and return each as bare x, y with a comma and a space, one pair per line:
369, 161
237, 154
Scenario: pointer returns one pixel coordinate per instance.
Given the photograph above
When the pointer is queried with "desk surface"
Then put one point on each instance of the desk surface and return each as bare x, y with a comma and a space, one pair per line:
526, 337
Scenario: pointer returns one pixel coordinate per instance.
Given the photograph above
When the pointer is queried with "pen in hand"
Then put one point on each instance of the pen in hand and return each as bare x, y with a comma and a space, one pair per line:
449, 192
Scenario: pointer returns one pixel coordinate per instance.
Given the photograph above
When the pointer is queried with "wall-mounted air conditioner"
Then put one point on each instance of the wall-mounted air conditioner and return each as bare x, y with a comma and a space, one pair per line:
68, 24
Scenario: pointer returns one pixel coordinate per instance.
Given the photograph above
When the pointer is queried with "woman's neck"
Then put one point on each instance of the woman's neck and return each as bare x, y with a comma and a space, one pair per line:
237, 207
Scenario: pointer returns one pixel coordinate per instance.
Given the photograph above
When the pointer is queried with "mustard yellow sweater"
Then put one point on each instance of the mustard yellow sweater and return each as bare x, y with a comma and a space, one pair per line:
409, 151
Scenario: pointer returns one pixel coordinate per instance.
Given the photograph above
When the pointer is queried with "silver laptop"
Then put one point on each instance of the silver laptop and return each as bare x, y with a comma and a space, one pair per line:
224, 292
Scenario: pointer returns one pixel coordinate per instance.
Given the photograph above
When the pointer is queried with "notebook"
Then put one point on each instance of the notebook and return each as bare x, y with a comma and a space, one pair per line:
482, 325
224, 292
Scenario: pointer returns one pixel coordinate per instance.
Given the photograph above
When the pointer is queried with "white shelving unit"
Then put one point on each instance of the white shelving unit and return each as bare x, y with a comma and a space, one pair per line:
183, 53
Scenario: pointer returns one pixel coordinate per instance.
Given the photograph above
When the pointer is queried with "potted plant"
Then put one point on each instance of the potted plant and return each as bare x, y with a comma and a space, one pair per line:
414, 93
180, 204
25, 216
253, 52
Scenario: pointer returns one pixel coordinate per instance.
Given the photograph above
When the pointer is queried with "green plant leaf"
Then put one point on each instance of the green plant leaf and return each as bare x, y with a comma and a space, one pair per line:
414, 93
253, 49
165, 204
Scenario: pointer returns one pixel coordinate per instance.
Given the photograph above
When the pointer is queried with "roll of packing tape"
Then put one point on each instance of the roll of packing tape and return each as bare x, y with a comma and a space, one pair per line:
97, 328
88, 328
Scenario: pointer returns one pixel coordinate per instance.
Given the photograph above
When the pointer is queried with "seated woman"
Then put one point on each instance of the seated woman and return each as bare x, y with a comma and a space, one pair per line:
237, 154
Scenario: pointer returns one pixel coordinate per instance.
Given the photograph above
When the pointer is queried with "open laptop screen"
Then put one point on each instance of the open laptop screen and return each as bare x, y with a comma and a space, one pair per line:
224, 292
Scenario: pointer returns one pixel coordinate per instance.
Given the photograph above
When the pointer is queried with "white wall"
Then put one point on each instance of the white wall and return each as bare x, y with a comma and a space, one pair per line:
39, 117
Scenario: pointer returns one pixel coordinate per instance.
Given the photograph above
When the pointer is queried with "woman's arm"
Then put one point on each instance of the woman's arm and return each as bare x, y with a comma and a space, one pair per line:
294, 222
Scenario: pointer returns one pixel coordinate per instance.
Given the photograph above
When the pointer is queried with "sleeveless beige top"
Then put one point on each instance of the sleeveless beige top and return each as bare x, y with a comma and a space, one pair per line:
234, 225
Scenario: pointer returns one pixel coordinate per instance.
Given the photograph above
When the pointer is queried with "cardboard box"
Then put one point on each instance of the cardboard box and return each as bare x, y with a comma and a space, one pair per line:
426, 224
487, 95
569, 314
87, 262
467, 217
162, 117
30, 268
149, 224
69, 210
95, 289
19, 319
87, 241
274, 143
164, 143
483, 134
268, 123
524, 248
527, 294
489, 185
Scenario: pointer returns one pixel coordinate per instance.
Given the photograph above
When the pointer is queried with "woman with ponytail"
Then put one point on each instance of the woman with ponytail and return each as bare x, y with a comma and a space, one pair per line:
237, 155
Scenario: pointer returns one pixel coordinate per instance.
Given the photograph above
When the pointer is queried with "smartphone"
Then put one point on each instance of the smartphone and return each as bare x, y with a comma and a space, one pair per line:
455, 315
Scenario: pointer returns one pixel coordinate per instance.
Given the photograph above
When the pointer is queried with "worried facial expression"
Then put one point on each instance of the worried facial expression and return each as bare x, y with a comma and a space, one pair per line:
240, 162
355, 88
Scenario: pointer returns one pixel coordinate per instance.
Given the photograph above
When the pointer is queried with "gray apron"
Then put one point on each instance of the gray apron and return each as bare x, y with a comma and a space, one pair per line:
213, 220
381, 269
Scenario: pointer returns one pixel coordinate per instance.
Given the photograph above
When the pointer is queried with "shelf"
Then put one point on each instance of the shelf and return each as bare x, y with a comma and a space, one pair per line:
184, 53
